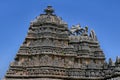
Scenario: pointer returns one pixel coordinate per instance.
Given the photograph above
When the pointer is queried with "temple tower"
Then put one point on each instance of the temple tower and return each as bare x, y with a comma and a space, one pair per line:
51, 51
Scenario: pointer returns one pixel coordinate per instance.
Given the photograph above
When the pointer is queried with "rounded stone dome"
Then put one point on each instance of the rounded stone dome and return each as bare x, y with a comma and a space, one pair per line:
49, 17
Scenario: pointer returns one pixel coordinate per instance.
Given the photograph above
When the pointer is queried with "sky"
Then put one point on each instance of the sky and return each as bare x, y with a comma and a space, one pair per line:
101, 15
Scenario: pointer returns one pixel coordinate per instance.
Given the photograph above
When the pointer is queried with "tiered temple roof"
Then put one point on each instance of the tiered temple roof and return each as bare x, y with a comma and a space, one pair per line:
51, 51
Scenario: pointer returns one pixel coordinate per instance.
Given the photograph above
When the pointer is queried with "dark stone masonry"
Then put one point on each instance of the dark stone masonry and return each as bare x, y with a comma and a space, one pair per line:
51, 51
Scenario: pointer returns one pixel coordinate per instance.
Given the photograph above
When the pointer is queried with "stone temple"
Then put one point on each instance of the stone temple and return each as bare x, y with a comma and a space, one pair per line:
51, 51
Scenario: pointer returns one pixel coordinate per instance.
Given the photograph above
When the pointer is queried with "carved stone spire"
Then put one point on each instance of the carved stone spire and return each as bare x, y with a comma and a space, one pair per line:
111, 62
49, 10
93, 35
117, 60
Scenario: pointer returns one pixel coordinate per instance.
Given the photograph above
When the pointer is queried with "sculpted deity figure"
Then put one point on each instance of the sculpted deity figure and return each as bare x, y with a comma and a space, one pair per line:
77, 30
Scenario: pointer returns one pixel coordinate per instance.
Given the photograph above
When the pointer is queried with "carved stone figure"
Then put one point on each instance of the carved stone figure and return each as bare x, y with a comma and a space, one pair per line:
77, 30
93, 35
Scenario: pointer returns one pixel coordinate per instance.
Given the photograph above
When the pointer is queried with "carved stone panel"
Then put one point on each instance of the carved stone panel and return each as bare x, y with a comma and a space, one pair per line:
46, 60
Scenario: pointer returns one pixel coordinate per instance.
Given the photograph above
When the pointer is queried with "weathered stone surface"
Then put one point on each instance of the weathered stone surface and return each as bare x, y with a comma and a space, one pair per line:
53, 52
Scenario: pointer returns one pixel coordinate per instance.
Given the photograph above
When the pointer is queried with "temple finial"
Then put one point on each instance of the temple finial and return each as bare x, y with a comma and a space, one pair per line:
117, 60
49, 10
